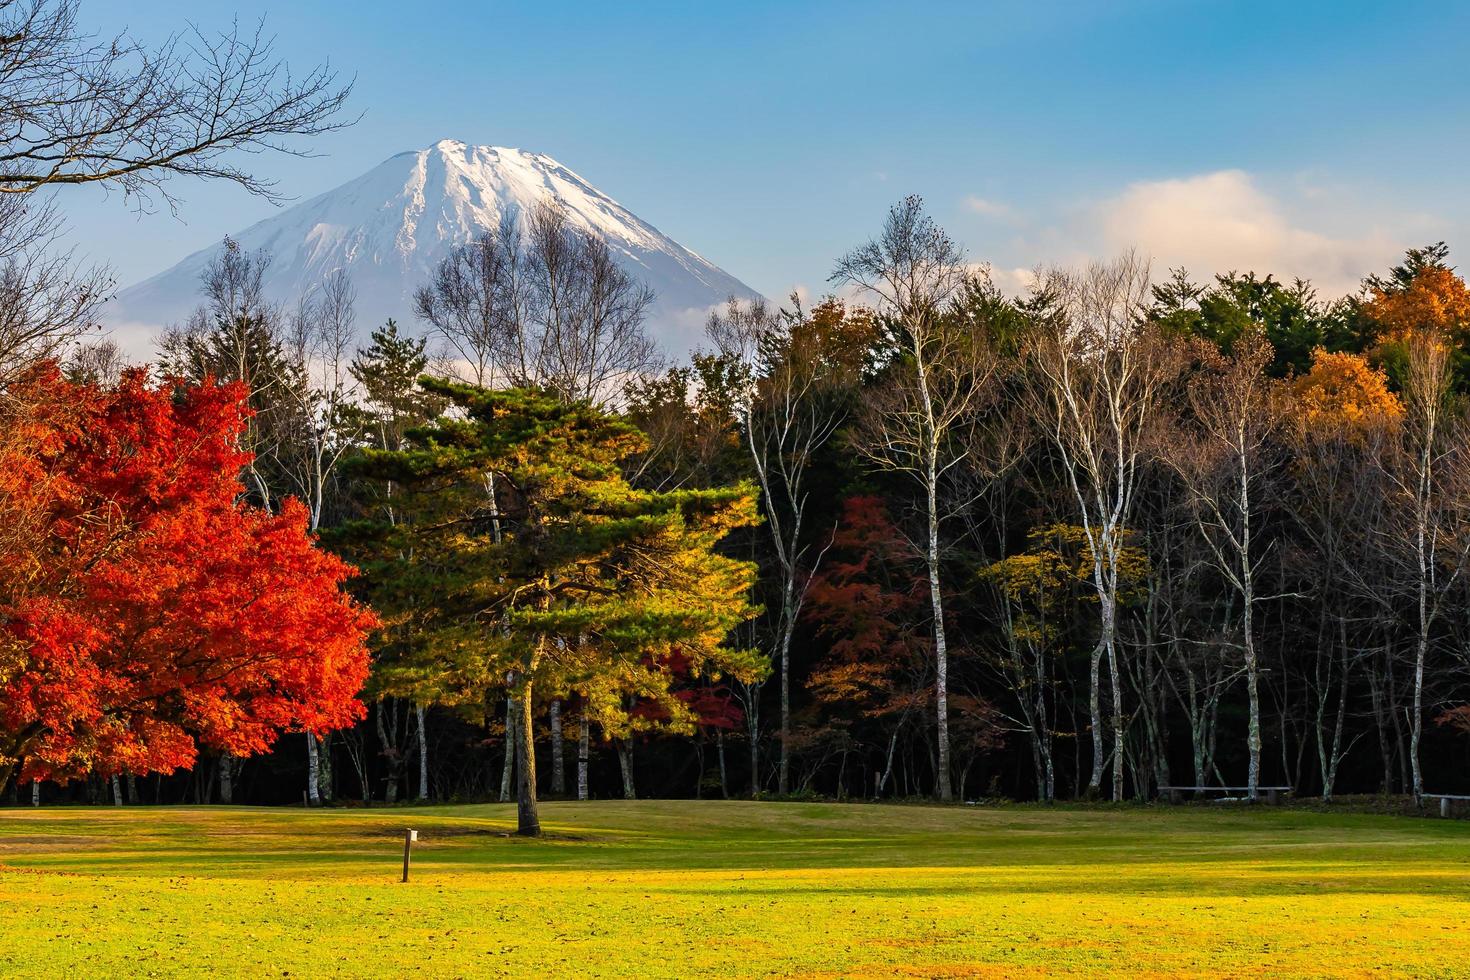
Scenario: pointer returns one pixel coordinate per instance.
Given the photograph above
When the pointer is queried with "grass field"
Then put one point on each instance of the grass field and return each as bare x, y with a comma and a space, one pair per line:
684, 889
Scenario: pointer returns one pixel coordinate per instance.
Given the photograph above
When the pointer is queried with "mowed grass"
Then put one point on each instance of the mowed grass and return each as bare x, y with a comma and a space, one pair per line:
690, 889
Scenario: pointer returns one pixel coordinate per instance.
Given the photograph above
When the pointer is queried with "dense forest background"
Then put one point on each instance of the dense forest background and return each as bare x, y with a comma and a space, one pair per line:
1124, 531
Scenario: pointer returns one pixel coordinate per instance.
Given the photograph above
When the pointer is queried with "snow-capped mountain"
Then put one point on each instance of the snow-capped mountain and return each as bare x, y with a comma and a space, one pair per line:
389, 227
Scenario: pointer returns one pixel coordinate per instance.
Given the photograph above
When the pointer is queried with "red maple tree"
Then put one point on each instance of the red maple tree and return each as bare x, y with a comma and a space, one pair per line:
145, 609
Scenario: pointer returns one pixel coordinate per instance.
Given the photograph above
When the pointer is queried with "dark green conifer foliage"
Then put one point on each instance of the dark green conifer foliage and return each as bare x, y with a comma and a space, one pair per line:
531, 564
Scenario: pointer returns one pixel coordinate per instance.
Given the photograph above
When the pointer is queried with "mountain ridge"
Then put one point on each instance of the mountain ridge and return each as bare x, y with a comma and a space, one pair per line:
389, 226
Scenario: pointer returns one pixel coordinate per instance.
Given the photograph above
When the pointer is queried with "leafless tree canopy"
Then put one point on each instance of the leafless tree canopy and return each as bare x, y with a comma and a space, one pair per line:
77, 108
939, 376
46, 301
544, 304
1099, 372
913, 267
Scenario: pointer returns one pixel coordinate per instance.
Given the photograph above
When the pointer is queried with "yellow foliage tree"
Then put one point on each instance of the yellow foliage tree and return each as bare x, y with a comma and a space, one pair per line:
1436, 299
1344, 395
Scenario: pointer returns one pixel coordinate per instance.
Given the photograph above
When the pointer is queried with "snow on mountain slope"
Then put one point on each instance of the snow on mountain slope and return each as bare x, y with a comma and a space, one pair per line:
389, 227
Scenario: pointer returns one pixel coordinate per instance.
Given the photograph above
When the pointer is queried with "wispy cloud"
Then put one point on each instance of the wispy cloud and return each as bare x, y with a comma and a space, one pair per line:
988, 208
1216, 222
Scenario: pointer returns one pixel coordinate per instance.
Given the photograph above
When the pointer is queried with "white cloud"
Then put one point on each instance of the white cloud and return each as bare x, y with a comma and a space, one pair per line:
1013, 282
1220, 221
988, 208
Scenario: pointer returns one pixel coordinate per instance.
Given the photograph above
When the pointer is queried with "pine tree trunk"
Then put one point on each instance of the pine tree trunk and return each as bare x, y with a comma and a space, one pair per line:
528, 820
558, 768
423, 739
583, 753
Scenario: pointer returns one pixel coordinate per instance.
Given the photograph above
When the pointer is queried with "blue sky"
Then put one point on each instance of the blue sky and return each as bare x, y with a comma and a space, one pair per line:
1304, 138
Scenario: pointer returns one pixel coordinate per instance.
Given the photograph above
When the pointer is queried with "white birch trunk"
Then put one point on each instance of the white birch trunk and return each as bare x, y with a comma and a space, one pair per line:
510, 754
313, 772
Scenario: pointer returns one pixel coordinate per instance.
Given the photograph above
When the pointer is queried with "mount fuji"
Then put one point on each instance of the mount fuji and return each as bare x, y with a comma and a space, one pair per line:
391, 226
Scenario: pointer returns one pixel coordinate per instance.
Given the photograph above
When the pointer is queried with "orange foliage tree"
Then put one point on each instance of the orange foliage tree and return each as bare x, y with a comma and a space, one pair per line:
145, 610
1344, 395
1435, 298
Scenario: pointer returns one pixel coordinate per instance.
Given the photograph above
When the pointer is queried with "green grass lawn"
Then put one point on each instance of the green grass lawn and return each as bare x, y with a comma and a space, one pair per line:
685, 889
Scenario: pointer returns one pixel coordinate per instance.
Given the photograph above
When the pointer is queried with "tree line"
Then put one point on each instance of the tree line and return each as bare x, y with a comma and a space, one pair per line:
1114, 534
918, 539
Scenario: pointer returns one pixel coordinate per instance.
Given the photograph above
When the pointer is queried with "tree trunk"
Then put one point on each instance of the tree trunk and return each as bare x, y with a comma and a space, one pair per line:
117, 797
788, 625
1416, 725
583, 746
720, 748
313, 772
1094, 708
888, 764
324, 765
423, 740
941, 648
227, 779
753, 731
510, 748
558, 768
1252, 681
528, 820
625, 762
1119, 741
35, 792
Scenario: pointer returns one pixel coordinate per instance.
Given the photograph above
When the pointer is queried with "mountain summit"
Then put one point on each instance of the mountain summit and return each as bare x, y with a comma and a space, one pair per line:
389, 227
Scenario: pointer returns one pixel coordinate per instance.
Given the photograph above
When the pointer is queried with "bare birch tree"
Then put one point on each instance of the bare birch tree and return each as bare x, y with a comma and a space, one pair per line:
803, 372
936, 379
1100, 373
1233, 410
1431, 480
541, 303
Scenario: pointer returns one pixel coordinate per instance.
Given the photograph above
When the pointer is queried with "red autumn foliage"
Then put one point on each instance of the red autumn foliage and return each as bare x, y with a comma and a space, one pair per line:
1457, 719
711, 705
145, 609
872, 603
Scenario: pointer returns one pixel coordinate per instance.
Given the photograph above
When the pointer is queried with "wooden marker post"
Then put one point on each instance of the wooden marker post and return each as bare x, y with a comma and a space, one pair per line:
409, 836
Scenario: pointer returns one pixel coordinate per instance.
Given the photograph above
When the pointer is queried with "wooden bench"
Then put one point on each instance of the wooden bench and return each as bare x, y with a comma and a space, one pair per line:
1447, 802
1272, 794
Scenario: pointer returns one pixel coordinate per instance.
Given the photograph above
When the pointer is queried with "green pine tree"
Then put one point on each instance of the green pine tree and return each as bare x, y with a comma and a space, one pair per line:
532, 564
